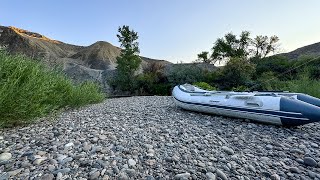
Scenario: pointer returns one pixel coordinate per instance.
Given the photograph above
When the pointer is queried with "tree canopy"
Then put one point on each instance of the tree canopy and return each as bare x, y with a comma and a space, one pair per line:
231, 46
204, 57
129, 60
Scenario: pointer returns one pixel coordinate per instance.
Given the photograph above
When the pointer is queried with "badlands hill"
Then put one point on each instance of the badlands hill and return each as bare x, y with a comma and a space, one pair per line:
100, 55
309, 50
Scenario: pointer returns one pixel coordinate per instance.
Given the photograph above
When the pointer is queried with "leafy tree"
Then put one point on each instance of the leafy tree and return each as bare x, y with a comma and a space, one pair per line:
263, 45
204, 57
128, 61
230, 46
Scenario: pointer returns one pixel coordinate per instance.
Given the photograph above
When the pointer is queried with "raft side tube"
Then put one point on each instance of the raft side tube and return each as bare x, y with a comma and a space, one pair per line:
308, 111
309, 99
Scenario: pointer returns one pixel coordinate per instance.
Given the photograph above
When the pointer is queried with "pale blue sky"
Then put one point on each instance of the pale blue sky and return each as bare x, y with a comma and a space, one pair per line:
175, 30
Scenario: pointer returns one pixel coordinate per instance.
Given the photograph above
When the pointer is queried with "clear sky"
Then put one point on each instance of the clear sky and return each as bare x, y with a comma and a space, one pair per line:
175, 30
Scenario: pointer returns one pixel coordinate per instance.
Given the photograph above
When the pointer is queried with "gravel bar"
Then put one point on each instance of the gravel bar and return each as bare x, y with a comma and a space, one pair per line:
150, 138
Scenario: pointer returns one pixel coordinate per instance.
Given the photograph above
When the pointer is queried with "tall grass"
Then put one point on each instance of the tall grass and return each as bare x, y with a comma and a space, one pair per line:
29, 90
305, 85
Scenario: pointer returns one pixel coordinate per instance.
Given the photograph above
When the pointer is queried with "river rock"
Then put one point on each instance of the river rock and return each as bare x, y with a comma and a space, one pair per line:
309, 161
182, 176
5, 156
221, 174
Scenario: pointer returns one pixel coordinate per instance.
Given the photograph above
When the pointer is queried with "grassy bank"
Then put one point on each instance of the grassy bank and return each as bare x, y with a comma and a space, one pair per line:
305, 85
29, 90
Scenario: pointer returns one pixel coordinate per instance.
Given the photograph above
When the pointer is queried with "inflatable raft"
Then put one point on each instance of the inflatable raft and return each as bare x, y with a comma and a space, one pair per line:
279, 108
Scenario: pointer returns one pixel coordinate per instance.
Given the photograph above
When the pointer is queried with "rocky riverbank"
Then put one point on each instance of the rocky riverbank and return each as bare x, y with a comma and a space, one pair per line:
149, 138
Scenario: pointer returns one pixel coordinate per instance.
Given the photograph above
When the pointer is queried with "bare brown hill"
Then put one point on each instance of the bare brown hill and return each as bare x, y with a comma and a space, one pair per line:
100, 55
309, 50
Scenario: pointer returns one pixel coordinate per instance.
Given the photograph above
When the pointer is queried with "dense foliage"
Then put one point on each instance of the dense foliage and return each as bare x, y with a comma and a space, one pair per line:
247, 68
230, 46
29, 90
204, 85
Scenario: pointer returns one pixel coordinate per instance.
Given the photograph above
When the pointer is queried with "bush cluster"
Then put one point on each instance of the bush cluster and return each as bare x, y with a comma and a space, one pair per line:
274, 73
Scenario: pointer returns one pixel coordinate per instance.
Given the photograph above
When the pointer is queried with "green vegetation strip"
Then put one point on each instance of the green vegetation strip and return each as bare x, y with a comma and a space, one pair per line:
29, 90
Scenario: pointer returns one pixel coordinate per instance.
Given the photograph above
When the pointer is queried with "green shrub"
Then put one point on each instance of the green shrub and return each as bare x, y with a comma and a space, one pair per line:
185, 74
29, 90
152, 84
304, 85
267, 81
237, 72
240, 88
204, 85
275, 64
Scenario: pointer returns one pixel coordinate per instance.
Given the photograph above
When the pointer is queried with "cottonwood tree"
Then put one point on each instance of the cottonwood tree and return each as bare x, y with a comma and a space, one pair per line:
129, 60
231, 46
263, 45
204, 57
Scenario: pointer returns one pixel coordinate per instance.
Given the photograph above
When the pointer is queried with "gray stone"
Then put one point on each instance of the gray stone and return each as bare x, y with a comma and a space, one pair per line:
131, 172
102, 137
15, 172
201, 164
63, 171
122, 176
66, 160
275, 177
4, 176
51, 168
69, 145
41, 153
302, 146
309, 161
59, 176
210, 176
94, 175
228, 150
61, 157
182, 176
294, 170
25, 164
314, 145
264, 159
149, 178
311, 174
251, 168
116, 170
38, 161
131, 162
47, 177
87, 147
269, 147
300, 161
221, 174
5, 156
